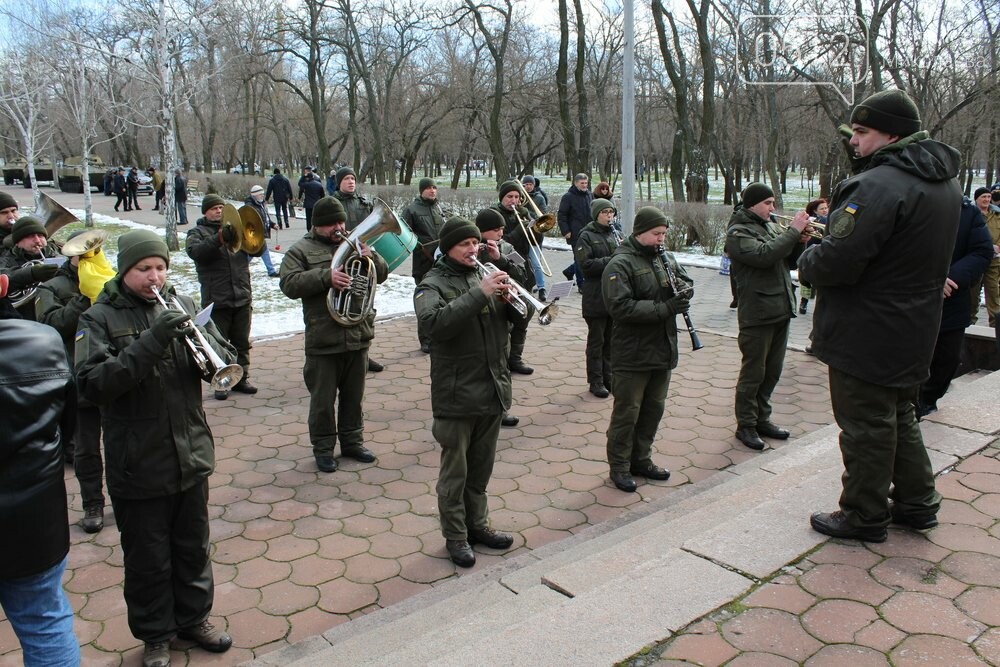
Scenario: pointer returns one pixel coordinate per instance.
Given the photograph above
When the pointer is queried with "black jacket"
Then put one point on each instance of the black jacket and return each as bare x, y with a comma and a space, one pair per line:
969, 261
574, 212
310, 192
37, 395
425, 220
265, 217
514, 234
224, 275
120, 185
882, 266
279, 188
593, 252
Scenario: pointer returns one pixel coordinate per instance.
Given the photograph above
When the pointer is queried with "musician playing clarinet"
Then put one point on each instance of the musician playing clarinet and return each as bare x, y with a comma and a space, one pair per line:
762, 254
643, 303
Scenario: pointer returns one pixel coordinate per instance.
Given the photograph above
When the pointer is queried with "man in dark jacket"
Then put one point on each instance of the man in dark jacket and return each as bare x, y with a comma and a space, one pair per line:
37, 395
180, 197
132, 183
467, 321
30, 242
256, 201
970, 259
574, 215
761, 254
310, 192
593, 252
280, 190
880, 271
643, 305
224, 276
336, 355
121, 190
424, 217
132, 361
8, 215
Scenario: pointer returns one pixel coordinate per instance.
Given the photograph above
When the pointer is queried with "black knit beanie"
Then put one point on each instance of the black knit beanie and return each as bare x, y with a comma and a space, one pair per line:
508, 186
755, 193
25, 226
425, 183
6, 201
456, 230
345, 171
328, 211
980, 192
649, 217
137, 245
489, 218
890, 111
209, 201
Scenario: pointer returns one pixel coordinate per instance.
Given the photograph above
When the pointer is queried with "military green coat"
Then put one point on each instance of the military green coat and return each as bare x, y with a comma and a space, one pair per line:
425, 219
358, 207
59, 304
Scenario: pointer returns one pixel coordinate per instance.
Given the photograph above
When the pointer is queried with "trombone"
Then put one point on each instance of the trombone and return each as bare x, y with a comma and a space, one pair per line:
221, 376
520, 298
814, 227
541, 224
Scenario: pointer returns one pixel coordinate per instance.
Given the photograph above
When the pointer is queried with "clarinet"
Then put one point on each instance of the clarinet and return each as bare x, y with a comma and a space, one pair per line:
679, 288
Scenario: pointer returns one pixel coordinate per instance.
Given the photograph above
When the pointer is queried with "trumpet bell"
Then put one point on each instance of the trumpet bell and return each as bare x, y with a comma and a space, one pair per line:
227, 377
548, 313
84, 242
253, 240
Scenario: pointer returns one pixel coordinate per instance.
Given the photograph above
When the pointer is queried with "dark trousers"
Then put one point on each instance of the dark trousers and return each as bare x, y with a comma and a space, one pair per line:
639, 399
87, 462
122, 199
168, 573
763, 350
234, 324
598, 349
157, 199
947, 356
133, 199
281, 213
328, 376
468, 450
309, 218
881, 445
518, 336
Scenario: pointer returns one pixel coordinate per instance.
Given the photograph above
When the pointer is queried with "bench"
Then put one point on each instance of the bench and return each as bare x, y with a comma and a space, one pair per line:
193, 186
979, 350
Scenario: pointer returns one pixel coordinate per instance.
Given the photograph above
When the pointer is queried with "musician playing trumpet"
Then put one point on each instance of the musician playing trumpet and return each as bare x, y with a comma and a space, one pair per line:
336, 356
467, 318
133, 362
593, 251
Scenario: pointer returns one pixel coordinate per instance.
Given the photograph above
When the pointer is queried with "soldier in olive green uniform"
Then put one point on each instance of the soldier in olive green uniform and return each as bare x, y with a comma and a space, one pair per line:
882, 271
467, 321
29, 243
336, 356
424, 217
593, 252
8, 215
643, 306
761, 255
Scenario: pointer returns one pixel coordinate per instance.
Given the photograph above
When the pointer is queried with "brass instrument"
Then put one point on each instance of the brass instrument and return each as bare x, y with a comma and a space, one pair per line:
680, 288
352, 306
814, 227
84, 242
27, 294
540, 225
53, 217
220, 375
520, 298
248, 228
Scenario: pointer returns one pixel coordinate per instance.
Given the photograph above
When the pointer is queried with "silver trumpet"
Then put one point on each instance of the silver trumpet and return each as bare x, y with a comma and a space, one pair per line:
520, 298
223, 376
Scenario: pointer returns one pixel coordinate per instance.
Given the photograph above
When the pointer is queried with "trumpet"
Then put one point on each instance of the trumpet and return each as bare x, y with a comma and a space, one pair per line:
814, 227
221, 376
520, 298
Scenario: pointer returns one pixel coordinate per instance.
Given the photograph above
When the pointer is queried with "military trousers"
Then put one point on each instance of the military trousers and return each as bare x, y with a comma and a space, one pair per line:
881, 445
598, 349
234, 324
639, 398
168, 573
763, 351
990, 283
468, 450
336, 384
88, 465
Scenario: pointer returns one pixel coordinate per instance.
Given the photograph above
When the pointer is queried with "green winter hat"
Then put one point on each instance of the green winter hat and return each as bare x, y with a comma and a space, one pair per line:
328, 211
649, 217
508, 186
211, 201
755, 193
425, 183
489, 218
456, 230
599, 205
25, 227
6, 201
345, 171
890, 111
138, 244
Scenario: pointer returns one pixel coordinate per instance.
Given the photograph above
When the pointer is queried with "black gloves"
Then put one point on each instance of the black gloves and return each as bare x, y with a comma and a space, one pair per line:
677, 305
168, 325
227, 234
42, 272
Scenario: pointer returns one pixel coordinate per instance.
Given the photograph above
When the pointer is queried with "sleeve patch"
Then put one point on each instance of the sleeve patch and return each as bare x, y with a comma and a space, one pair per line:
843, 221
80, 334
612, 276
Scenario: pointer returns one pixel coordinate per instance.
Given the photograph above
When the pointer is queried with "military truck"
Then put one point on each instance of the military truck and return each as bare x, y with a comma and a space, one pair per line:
71, 174
17, 170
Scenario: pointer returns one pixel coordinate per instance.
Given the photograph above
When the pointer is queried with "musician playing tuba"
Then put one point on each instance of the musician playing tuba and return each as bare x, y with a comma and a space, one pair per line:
25, 263
336, 356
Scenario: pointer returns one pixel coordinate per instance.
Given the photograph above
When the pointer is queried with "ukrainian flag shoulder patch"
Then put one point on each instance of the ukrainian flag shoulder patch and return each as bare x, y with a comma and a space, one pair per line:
80, 334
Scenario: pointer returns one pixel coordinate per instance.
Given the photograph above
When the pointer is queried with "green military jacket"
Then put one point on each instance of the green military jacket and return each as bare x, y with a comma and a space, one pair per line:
358, 207
305, 274
762, 254
425, 219
156, 439
224, 275
59, 304
635, 289
12, 262
593, 252
469, 342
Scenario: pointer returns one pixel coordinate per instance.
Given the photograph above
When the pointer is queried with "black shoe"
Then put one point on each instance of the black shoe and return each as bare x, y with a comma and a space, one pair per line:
425, 348
509, 420
542, 296
599, 390
568, 273
245, 387
208, 637
923, 410
913, 522
809, 350
460, 553
326, 463
156, 654
769, 430
374, 366
651, 471
274, 275
93, 519
221, 395
734, 303
607, 383
749, 437
491, 538
835, 524
517, 366
623, 481
358, 453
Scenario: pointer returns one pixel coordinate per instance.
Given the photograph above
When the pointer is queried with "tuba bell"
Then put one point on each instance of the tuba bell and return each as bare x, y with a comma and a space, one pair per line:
351, 306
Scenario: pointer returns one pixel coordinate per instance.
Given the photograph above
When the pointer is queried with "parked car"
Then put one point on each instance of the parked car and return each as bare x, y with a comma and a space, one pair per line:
238, 169
145, 181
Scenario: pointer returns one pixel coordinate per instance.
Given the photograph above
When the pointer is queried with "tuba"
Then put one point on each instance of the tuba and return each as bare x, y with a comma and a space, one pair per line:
351, 306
